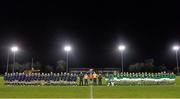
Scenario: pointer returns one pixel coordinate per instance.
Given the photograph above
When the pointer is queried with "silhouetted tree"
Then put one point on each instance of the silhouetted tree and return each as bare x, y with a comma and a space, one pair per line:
146, 66
135, 67
61, 66
48, 68
37, 65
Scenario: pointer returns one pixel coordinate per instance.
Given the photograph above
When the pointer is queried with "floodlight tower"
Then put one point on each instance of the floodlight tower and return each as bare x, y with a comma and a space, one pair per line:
121, 49
14, 49
176, 49
67, 48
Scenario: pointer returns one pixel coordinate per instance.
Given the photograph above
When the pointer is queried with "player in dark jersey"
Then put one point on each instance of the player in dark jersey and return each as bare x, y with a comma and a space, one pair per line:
5, 78
75, 79
99, 79
81, 76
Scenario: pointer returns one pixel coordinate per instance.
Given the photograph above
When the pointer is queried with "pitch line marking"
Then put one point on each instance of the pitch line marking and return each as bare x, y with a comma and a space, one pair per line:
91, 92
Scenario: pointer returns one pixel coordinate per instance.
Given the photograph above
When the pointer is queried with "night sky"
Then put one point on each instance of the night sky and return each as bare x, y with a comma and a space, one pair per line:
94, 29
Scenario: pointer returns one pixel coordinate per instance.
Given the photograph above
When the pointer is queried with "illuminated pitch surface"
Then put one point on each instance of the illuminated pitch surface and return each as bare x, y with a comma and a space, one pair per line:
165, 91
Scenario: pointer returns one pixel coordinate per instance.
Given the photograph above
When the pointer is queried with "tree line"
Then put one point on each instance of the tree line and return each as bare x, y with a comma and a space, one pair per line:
60, 66
148, 66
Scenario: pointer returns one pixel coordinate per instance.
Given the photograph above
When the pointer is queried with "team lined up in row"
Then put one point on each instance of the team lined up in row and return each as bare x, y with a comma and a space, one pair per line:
142, 75
40, 78
141, 79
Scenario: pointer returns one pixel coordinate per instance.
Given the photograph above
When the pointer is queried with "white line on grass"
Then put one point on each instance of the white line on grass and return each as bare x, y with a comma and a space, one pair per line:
91, 92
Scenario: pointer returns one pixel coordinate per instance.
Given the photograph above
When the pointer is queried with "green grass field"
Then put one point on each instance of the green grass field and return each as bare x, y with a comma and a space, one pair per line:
165, 91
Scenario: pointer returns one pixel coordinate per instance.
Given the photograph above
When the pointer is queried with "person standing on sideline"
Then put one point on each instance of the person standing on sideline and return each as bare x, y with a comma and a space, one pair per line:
86, 79
91, 77
108, 82
81, 79
94, 78
99, 79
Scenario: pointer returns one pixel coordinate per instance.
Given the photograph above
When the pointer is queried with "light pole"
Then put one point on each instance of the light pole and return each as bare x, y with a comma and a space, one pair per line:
14, 49
176, 49
121, 49
7, 67
67, 48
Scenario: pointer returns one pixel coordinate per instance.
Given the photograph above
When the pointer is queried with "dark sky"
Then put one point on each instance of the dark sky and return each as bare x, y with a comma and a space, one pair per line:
94, 29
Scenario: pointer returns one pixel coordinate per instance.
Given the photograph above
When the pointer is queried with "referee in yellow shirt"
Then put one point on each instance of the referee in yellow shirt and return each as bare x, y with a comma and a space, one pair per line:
86, 79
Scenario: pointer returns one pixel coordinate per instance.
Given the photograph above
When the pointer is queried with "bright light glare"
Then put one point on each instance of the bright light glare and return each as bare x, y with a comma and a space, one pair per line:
121, 47
14, 48
67, 48
175, 47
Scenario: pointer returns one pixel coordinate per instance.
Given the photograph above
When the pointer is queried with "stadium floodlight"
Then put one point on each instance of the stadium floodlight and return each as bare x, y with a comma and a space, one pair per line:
176, 49
67, 48
14, 49
122, 48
